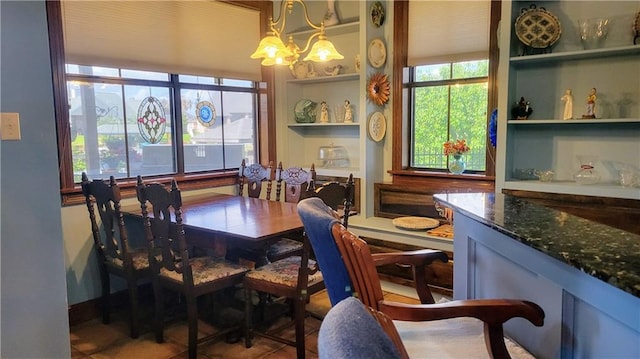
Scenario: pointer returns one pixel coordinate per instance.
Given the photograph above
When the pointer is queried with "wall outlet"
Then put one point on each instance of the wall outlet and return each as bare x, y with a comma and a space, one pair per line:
10, 129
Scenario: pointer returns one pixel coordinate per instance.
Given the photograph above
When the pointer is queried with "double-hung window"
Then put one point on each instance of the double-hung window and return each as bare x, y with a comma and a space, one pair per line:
448, 102
126, 123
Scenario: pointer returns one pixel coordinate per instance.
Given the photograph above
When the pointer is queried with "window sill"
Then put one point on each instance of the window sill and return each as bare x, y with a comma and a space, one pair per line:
407, 173
74, 196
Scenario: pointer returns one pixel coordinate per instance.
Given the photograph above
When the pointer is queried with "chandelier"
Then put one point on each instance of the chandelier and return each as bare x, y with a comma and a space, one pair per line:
273, 51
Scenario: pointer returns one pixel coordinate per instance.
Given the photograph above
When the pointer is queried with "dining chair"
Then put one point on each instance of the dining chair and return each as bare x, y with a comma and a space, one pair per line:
297, 183
353, 272
253, 177
114, 255
295, 278
171, 265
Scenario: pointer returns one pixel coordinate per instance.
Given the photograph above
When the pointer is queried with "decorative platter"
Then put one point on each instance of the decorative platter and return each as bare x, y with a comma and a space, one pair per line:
377, 53
415, 223
537, 27
377, 13
377, 126
305, 111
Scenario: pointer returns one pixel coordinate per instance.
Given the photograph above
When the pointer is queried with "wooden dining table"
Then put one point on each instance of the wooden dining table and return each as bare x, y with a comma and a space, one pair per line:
222, 221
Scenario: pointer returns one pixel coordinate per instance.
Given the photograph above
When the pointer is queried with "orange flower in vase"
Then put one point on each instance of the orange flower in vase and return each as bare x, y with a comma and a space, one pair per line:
456, 149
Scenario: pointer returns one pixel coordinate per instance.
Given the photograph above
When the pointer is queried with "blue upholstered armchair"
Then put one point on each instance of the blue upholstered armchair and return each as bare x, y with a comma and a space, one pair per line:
456, 329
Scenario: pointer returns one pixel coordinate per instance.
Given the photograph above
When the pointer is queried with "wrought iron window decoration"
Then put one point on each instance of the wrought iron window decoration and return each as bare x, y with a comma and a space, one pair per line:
273, 51
152, 122
206, 113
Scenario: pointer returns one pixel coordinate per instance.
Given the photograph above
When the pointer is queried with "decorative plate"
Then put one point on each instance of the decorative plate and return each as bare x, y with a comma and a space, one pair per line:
415, 223
378, 88
537, 27
377, 126
377, 53
305, 111
206, 113
377, 13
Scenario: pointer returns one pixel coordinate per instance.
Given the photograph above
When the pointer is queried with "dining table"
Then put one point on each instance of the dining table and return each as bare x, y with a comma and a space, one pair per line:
222, 221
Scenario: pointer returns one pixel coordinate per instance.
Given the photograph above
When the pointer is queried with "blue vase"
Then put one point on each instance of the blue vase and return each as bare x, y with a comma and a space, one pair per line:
457, 164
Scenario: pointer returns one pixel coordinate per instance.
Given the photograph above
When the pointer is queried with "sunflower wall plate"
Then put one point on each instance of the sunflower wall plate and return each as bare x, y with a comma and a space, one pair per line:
378, 88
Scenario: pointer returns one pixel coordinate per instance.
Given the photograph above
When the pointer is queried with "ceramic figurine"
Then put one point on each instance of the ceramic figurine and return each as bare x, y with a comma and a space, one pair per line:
324, 112
522, 110
568, 105
332, 70
591, 104
348, 115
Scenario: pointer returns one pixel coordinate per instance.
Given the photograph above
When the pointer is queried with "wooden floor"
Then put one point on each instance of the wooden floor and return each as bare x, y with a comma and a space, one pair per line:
95, 340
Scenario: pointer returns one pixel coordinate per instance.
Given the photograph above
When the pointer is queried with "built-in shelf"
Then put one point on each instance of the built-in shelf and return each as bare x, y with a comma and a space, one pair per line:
574, 121
570, 187
526, 60
338, 171
321, 79
328, 124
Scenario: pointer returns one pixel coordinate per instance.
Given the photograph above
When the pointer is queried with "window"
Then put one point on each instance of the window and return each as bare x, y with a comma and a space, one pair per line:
448, 102
170, 71
126, 123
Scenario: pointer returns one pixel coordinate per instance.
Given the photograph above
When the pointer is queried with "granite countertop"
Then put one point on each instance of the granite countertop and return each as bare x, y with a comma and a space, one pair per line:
609, 254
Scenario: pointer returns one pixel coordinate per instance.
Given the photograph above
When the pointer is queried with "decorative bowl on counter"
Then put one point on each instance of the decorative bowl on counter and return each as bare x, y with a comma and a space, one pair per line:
333, 156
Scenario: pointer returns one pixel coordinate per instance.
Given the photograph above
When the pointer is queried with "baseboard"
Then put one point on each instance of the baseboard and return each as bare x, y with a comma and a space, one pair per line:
91, 309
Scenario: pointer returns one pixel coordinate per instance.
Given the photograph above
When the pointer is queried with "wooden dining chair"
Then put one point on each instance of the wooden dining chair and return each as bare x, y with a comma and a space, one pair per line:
292, 184
253, 177
111, 244
349, 269
338, 196
171, 265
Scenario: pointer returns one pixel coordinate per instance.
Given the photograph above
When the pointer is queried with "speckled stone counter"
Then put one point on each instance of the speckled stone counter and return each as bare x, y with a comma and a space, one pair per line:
585, 275
607, 253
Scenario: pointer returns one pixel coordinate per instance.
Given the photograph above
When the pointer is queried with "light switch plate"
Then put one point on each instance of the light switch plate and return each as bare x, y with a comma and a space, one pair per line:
10, 129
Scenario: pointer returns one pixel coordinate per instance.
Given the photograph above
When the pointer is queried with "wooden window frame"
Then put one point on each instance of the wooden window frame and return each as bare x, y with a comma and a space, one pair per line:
399, 170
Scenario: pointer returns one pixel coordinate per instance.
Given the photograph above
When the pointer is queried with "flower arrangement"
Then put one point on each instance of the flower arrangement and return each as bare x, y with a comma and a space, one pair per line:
458, 147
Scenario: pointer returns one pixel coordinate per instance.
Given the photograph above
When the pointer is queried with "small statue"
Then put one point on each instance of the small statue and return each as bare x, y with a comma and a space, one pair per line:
591, 104
568, 105
348, 115
324, 112
522, 110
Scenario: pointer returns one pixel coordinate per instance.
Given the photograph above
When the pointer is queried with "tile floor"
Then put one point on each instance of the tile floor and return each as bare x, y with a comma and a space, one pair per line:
95, 340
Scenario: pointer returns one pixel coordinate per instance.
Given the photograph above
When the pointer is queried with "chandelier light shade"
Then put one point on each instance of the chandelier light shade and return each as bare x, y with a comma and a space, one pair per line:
323, 50
273, 51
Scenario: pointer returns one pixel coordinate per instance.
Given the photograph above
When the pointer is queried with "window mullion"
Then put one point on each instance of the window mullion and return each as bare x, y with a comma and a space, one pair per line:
176, 96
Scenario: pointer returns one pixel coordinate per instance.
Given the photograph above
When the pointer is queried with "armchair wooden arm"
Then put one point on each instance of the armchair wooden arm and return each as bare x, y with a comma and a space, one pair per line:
490, 311
418, 260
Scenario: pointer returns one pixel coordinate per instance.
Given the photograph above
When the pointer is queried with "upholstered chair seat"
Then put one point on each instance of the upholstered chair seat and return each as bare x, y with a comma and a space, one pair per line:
283, 272
205, 270
139, 257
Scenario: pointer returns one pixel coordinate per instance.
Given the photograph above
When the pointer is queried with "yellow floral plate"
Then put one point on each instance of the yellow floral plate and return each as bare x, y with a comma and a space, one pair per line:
415, 223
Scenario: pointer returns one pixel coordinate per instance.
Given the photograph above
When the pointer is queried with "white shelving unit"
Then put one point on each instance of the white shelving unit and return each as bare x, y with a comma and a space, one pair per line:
544, 141
298, 144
